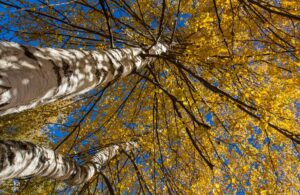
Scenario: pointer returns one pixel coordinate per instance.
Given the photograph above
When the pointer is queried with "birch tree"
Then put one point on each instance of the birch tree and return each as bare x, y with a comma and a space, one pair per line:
217, 113
24, 159
34, 76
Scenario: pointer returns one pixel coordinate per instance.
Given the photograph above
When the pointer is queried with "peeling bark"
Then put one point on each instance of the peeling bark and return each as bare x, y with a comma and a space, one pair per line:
35, 76
23, 159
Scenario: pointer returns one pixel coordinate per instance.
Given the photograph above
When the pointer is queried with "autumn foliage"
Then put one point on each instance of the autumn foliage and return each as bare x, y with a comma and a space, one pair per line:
218, 113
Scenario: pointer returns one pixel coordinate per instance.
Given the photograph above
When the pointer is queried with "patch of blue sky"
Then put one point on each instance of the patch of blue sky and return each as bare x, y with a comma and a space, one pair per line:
182, 19
216, 83
77, 159
143, 84
254, 165
56, 133
257, 130
101, 186
105, 106
257, 45
297, 154
297, 105
234, 146
246, 178
117, 31
5, 21
95, 113
95, 92
117, 44
248, 183
229, 187
154, 23
9, 35
160, 159
120, 13
277, 147
277, 3
84, 142
226, 177
209, 118
92, 151
266, 140
71, 119
130, 125
254, 142
18, 3
163, 74
240, 191
141, 160
91, 135
225, 161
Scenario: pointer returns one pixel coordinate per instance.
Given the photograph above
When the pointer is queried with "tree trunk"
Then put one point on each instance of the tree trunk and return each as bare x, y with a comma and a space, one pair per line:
32, 76
20, 159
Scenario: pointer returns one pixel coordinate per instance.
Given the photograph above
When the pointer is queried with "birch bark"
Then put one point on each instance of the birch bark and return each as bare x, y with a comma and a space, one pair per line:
20, 159
32, 76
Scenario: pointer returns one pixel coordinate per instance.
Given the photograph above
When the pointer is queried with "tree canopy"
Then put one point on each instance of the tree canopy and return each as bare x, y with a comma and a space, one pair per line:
217, 113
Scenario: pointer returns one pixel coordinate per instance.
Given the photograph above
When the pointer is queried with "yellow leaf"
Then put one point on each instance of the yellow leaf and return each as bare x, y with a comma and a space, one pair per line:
264, 192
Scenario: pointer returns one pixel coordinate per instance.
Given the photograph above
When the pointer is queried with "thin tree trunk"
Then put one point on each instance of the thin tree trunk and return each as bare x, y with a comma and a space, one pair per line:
32, 76
22, 159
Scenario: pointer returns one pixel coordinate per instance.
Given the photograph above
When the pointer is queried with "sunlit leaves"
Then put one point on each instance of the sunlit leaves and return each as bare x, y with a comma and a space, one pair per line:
246, 57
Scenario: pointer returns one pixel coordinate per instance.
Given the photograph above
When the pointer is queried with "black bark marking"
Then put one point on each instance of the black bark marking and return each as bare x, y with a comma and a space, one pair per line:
1, 159
54, 170
3, 149
4, 104
97, 70
120, 71
28, 53
25, 146
74, 174
110, 66
10, 156
98, 74
56, 69
143, 56
5, 89
66, 69
2, 90
134, 69
43, 159
104, 74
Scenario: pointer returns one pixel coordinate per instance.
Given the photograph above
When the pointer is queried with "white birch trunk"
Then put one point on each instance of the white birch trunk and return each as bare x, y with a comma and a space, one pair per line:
32, 76
20, 159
